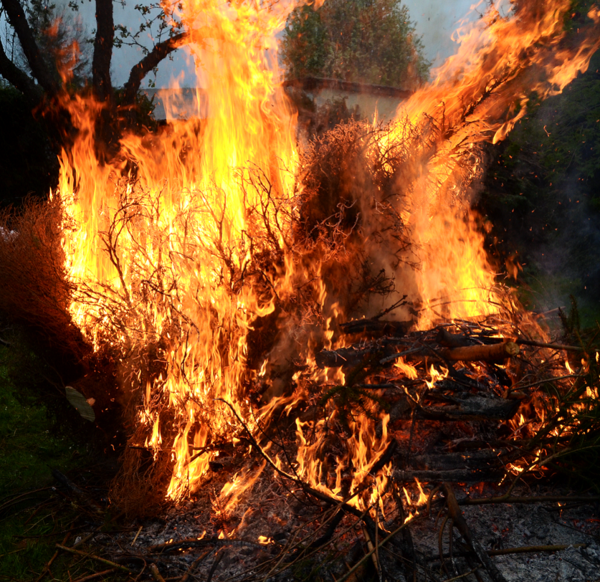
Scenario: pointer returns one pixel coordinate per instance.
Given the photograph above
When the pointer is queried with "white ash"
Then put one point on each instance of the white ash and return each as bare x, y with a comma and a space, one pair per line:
273, 510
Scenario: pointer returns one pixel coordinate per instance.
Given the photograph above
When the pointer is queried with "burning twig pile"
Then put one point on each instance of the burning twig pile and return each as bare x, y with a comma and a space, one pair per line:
227, 288
453, 424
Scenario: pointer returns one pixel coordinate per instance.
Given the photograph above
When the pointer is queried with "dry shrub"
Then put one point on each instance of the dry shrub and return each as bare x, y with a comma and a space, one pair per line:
33, 287
356, 179
140, 486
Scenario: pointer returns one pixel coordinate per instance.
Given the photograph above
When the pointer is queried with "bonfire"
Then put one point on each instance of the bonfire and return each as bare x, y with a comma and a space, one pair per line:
306, 346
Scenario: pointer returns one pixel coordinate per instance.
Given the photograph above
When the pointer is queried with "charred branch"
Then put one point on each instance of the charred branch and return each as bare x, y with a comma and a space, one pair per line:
451, 476
453, 340
473, 408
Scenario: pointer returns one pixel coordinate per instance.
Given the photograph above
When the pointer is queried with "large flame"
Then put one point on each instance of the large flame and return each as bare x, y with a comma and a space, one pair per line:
166, 246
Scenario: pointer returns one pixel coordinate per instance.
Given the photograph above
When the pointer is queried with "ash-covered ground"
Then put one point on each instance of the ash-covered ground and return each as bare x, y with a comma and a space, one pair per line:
202, 539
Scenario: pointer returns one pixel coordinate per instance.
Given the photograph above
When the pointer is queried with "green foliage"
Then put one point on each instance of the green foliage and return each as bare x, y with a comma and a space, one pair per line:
28, 165
29, 447
369, 41
541, 194
158, 20
142, 112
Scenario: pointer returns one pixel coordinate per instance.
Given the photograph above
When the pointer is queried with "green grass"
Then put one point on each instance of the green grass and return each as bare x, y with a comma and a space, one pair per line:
30, 447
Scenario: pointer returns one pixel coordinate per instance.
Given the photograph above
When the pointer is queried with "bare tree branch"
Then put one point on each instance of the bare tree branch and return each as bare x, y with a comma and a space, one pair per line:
149, 62
38, 66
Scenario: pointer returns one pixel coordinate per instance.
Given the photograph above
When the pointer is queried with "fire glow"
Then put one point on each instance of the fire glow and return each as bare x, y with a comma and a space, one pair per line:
178, 248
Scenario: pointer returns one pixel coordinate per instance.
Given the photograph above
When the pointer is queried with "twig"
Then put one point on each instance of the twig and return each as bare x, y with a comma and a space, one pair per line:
554, 346
199, 559
51, 560
137, 534
306, 488
93, 576
18, 497
539, 382
155, 573
94, 557
368, 555
528, 549
398, 303
465, 532
400, 355
441, 542
195, 543
217, 561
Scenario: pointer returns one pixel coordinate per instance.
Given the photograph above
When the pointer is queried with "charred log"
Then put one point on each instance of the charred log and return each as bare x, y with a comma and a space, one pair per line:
451, 476
376, 327
473, 408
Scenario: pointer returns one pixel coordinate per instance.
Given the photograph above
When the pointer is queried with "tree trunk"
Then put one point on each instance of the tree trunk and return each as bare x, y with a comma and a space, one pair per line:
39, 68
103, 47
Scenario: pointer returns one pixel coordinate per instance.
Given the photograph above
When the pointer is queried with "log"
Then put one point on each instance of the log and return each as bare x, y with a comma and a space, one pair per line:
377, 327
483, 459
472, 408
486, 353
341, 357
452, 476
452, 340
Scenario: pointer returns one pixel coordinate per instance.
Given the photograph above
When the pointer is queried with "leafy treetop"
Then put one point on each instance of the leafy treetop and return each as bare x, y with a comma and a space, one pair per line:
369, 41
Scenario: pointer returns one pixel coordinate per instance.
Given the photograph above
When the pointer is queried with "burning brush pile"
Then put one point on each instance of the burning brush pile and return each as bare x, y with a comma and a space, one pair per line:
299, 341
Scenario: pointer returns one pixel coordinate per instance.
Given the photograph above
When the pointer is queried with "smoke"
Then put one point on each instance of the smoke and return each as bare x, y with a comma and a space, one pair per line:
567, 265
435, 21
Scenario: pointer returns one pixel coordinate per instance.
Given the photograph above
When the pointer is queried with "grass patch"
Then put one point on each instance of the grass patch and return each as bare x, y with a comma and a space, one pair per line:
33, 515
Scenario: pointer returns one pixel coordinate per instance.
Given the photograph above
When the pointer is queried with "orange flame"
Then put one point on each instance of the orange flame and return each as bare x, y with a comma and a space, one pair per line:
161, 244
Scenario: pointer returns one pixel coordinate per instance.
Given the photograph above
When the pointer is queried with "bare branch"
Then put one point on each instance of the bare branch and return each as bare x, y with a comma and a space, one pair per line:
148, 63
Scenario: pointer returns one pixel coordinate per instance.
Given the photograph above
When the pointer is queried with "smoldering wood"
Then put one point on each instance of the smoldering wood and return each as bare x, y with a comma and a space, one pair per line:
458, 461
342, 357
472, 408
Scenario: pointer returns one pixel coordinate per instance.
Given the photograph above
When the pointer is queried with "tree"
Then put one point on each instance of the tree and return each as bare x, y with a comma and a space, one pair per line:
62, 40
370, 41
38, 77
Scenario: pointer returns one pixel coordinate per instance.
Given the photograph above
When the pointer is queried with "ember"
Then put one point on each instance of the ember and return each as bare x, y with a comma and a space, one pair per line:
319, 327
